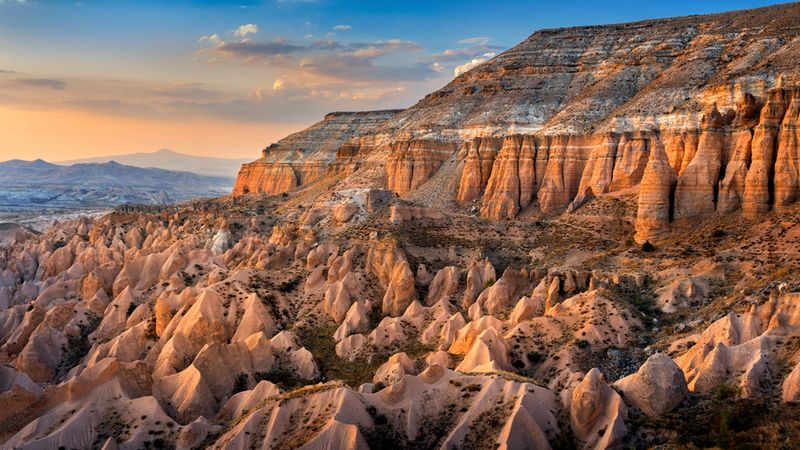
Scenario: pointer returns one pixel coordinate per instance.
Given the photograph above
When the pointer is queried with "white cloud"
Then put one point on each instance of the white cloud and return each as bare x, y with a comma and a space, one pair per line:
479, 40
324, 58
212, 38
439, 67
244, 30
278, 84
342, 27
475, 62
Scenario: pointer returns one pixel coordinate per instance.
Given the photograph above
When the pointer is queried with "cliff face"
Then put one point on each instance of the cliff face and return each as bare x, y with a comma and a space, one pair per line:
305, 156
657, 74
573, 113
698, 113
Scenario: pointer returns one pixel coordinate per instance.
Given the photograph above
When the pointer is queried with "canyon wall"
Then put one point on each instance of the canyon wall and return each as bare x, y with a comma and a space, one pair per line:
744, 159
305, 156
698, 114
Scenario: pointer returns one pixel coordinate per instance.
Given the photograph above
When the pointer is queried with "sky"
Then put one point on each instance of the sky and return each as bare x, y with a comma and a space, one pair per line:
226, 78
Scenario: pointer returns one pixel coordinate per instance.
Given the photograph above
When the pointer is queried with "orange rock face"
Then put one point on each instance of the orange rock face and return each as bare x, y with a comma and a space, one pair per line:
511, 184
306, 156
477, 168
411, 163
746, 158
658, 182
267, 178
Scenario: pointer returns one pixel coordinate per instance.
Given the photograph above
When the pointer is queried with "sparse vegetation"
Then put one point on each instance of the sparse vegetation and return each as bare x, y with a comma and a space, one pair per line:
240, 384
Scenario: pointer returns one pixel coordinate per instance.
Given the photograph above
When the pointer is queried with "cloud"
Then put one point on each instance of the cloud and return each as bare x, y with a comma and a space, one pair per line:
112, 106
473, 63
195, 91
327, 58
244, 30
51, 83
6, 72
460, 60
479, 40
212, 38
342, 27
460, 55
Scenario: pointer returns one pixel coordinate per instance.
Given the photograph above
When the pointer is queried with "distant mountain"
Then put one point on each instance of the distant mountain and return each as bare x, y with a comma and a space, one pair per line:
36, 186
170, 160
107, 174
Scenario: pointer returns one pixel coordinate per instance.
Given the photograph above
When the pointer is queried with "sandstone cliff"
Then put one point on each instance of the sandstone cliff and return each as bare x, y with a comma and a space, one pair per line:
305, 156
573, 113
570, 114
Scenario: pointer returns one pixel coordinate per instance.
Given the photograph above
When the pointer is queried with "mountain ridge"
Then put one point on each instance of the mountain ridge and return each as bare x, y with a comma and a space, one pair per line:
170, 160
574, 113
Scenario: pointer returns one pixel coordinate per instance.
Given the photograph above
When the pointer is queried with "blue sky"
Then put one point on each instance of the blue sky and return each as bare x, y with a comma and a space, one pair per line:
160, 74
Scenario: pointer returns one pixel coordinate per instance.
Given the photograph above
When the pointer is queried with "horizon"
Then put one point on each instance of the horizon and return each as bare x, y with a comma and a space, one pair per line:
92, 159
224, 79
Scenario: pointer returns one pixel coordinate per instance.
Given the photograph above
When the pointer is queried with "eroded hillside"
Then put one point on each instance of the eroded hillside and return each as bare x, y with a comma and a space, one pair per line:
462, 274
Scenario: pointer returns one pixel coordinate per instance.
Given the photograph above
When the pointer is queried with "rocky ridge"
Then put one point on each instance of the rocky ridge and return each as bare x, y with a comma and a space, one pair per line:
696, 113
305, 156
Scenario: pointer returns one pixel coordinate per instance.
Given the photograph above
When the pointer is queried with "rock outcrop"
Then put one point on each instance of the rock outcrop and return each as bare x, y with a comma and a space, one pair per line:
597, 413
656, 388
306, 156
739, 349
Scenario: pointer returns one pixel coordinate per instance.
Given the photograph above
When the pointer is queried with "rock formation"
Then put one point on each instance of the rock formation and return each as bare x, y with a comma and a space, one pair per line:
597, 413
303, 157
460, 274
657, 388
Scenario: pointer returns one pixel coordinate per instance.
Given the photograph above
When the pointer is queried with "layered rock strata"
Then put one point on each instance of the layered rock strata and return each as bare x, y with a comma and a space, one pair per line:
306, 156
745, 158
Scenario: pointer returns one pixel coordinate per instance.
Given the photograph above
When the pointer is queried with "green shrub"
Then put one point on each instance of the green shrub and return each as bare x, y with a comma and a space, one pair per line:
535, 357
724, 391
240, 384
647, 247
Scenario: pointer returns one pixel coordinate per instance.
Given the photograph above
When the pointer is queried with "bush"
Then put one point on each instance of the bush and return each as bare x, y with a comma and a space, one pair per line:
647, 247
535, 357
583, 343
240, 384
725, 391
489, 283
289, 285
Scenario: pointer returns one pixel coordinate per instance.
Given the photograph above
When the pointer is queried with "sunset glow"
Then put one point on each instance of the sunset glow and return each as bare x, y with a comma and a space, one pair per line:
201, 77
